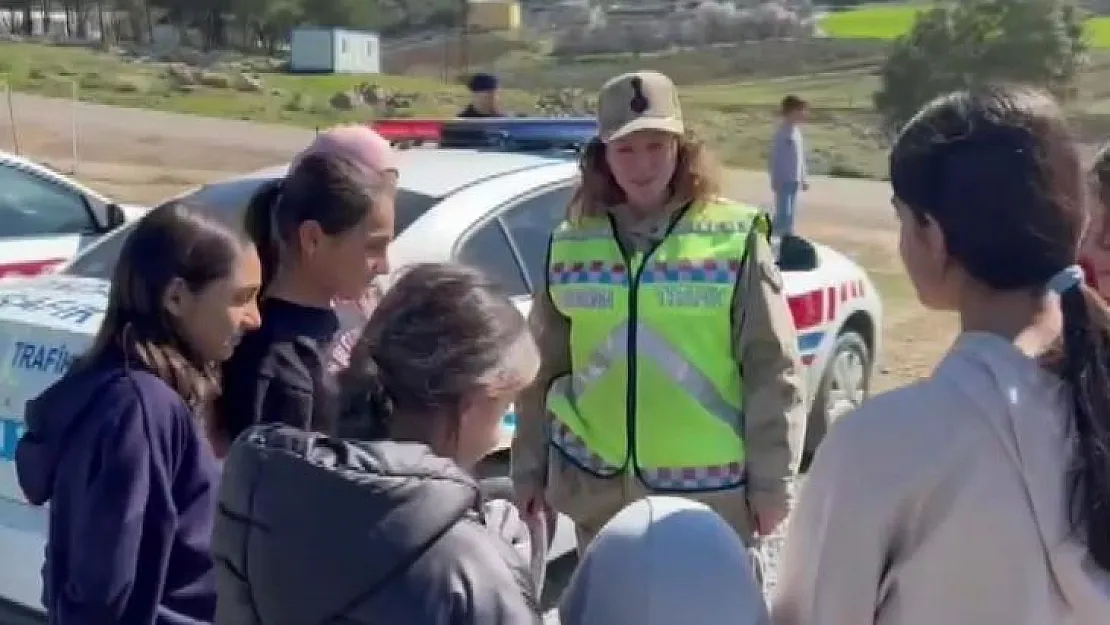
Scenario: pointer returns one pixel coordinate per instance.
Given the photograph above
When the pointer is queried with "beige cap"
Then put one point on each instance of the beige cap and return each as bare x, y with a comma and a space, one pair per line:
643, 100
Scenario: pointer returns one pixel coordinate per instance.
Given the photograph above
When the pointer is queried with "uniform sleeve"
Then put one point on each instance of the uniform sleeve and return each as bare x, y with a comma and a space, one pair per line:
529, 448
113, 520
766, 350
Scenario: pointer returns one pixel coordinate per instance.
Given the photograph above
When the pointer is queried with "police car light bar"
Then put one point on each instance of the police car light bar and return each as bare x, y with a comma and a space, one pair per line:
509, 134
408, 130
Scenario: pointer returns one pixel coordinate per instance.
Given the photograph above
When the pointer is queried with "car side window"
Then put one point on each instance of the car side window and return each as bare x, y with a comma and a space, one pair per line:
530, 224
489, 250
34, 206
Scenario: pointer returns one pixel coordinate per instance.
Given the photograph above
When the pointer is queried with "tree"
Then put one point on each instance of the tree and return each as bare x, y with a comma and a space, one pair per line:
971, 42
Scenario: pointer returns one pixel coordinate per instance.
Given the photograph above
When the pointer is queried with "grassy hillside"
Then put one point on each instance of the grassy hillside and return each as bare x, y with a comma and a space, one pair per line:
880, 21
736, 116
886, 21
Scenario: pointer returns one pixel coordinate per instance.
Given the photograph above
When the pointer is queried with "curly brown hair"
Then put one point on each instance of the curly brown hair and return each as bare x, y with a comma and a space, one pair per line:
697, 175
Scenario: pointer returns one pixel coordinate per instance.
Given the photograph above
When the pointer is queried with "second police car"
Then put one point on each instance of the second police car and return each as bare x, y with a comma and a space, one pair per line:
493, 207
47, 218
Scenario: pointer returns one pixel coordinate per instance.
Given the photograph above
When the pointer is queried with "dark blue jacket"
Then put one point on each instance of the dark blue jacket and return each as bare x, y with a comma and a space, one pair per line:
132, 484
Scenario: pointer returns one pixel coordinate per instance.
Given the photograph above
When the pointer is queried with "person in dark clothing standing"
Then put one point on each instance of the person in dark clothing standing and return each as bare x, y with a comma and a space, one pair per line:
387, 525
483, 97
322, 233
118, 446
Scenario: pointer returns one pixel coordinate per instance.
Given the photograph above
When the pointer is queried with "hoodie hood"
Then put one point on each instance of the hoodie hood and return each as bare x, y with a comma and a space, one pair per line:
52, 420
313, 526
1028, 409
662, 561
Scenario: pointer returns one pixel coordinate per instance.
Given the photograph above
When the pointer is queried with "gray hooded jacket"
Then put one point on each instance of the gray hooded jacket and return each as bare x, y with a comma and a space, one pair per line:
665, 561
313, 530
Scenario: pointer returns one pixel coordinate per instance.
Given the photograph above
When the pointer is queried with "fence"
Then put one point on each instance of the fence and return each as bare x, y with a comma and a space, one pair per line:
17, 145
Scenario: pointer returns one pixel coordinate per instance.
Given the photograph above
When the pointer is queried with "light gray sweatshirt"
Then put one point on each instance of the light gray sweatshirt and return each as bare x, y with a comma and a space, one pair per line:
787, 163
946, 501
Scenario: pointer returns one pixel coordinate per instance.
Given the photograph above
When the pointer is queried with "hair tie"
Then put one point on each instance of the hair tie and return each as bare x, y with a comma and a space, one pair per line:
1065, 280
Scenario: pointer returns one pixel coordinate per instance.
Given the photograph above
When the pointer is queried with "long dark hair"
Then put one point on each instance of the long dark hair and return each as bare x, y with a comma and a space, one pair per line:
438, 333
999, 171
326, 188
170, 242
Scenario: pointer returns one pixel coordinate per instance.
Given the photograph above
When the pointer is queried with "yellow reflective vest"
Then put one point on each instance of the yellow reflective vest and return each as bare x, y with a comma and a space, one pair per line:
654, 386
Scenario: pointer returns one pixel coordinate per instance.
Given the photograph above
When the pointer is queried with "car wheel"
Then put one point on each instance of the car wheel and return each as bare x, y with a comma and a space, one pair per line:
845, 383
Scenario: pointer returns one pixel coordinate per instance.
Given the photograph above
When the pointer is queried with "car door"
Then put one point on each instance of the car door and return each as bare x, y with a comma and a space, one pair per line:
511, 247
42, 223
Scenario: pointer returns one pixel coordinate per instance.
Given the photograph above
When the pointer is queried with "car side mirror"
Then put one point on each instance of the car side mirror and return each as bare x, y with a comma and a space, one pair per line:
116, 216
797, 254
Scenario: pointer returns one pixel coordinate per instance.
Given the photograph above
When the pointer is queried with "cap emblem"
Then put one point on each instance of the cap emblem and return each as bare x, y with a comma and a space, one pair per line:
639, 102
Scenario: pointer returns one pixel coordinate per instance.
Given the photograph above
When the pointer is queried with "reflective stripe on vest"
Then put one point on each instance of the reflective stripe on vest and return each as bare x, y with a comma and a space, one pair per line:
679, 391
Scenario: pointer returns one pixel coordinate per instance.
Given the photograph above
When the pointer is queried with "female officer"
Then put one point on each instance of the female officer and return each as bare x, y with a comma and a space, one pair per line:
978, 495
669, 356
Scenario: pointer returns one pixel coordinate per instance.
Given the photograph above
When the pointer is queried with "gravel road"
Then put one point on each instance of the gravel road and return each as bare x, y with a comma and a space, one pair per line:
170, 140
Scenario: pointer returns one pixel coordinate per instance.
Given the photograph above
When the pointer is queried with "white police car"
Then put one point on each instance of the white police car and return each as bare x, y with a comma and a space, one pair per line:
47, 218
492, 208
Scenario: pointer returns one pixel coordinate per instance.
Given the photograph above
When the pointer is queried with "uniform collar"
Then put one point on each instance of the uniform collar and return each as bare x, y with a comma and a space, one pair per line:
660, 221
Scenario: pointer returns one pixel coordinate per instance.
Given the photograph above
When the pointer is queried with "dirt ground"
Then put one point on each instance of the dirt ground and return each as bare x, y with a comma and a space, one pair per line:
146, 156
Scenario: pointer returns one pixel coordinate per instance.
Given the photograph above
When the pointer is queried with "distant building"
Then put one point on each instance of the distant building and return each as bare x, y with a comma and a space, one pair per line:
335, 51
564, 14
493, 15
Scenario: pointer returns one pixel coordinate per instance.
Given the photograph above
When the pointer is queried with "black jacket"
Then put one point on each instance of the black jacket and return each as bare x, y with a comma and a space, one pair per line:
313, 530
278, 373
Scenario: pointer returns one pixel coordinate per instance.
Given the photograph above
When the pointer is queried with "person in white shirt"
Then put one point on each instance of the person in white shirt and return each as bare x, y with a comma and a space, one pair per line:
980, 495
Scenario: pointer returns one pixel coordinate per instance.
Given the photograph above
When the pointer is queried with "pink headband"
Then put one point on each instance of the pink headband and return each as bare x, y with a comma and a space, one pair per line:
357, 143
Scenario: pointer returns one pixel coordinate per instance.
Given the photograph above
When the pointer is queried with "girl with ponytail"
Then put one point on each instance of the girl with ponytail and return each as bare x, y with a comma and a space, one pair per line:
322, 233
982, 493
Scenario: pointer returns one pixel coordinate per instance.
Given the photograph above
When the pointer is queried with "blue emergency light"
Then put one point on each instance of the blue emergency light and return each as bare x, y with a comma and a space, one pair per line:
502, 134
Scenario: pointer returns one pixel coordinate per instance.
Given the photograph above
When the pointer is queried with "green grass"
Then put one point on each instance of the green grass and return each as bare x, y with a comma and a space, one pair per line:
884, 21
284, 98
881, 21
840, 90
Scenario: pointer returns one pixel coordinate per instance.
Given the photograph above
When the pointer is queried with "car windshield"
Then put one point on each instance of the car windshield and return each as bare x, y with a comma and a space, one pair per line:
226, 202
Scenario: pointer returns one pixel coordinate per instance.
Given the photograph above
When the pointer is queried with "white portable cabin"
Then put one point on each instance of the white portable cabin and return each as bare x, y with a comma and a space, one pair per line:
335, 51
